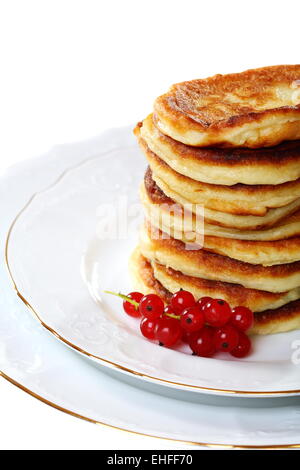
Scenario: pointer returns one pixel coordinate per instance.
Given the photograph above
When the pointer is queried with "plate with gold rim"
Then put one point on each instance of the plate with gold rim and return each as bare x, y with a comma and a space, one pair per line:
37, 363
72, 241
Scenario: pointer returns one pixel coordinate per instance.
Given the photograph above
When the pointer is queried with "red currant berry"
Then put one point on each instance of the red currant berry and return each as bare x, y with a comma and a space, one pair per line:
217, 312
192, 319
147, 327
226, 338
181, 300
203, 301
168, 310
168, 331
201, 343
242, 318
244, 346
131, 309
151, 306
186, 336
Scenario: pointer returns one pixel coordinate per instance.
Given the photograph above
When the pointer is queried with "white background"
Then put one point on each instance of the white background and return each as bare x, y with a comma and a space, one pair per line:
71, 68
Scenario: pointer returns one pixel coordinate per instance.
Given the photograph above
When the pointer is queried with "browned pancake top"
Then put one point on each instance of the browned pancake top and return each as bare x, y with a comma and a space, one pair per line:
227, 100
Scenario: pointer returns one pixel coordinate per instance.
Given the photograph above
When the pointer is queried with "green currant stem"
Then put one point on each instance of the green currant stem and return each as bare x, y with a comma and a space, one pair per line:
124, 297
136, 304
177, 317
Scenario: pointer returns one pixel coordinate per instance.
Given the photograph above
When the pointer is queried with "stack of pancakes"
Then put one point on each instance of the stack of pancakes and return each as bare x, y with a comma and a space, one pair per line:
229, 144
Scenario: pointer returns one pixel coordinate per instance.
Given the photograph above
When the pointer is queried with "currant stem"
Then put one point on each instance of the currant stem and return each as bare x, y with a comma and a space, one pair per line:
136, 304
171, 315
124, 297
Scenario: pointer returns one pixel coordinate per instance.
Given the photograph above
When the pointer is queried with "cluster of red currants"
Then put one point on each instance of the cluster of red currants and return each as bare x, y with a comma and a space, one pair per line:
208, 325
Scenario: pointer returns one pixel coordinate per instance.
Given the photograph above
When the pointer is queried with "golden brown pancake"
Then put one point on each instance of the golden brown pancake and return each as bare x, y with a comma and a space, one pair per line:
164, 194
169, 219
239, 199
268, 321
234, 294
225, 219
156, 247
256, 247
283, 319
267, 253
219, 166
255, 108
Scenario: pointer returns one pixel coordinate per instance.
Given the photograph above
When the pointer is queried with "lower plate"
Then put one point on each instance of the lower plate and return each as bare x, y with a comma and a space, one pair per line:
34, 361
44, 250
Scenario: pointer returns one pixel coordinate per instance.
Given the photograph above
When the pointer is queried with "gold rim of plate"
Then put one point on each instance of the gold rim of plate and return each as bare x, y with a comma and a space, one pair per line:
91, 420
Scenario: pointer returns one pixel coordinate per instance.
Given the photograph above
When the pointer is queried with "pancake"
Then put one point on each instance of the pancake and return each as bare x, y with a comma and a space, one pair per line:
225, 219
283, 319
268, 253
234, 294
200, 263
163, 213
268, 166
255, 108
238, 199
270, 321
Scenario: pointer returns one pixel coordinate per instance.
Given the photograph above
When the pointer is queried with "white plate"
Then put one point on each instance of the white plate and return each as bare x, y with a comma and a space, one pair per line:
44, 254
34, 361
